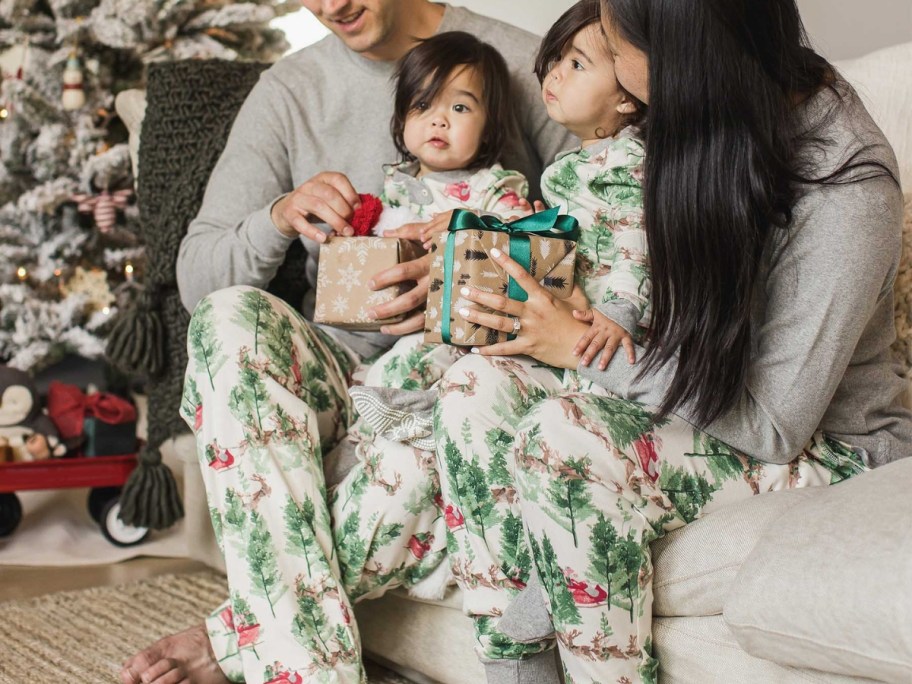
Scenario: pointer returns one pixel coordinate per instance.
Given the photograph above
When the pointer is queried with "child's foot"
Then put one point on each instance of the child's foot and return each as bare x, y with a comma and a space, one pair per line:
183, 657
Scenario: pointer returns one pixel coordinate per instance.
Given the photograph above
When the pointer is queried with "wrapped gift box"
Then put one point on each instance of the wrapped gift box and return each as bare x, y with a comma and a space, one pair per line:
107, 439
550, 260
99, 424
346, 267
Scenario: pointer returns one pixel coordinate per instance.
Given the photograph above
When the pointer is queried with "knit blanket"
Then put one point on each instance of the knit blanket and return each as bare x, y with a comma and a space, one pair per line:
191, 108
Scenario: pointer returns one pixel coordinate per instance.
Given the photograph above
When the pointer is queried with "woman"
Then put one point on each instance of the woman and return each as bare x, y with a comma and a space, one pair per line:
773, 218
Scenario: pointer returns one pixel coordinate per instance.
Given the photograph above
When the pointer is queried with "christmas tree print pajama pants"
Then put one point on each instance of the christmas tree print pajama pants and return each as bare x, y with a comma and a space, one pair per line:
266, 395
578, 483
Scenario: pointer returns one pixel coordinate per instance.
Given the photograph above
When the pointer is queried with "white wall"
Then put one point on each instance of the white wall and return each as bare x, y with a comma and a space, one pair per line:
532, 15
840, 29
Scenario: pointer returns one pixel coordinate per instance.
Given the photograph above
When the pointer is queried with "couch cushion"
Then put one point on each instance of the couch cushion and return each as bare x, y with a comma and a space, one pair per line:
435, 640
696, 564
702, 649
829, 585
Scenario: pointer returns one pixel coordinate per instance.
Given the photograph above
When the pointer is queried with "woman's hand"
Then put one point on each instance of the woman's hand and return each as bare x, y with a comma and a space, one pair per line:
547, 330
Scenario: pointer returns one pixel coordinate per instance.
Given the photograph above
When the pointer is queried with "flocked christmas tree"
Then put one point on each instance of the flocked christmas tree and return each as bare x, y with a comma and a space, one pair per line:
69, 255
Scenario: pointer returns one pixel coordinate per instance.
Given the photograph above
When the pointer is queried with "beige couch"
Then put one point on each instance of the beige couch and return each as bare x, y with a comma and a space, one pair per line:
804, 586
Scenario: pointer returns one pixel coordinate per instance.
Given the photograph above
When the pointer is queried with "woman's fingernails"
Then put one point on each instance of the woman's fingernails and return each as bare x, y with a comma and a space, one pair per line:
464, 312
464, 292
495, 253
475, 350
384, 330
348, 231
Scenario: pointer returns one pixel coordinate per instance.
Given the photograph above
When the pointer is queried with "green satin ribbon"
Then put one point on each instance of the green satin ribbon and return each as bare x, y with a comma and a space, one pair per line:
550, 223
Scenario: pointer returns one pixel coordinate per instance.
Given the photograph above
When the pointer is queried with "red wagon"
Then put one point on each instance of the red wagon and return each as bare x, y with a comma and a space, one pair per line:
104, 474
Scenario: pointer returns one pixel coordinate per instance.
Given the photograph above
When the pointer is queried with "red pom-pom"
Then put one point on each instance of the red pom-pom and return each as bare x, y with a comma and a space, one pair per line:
367, 216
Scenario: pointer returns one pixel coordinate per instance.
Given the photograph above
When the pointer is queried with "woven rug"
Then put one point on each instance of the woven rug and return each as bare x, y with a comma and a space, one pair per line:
83, 637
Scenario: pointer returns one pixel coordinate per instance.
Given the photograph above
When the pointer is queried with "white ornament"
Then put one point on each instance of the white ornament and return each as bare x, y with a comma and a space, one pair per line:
73, 95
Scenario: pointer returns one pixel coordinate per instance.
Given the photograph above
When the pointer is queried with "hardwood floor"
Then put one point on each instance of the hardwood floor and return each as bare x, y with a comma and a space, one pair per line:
20, 582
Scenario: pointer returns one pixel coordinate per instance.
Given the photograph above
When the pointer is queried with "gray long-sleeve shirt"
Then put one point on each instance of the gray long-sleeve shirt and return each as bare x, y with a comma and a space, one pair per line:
823, 324
326, 108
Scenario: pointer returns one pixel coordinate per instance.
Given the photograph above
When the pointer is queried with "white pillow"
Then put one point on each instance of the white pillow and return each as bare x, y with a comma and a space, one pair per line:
829, 584
883, 79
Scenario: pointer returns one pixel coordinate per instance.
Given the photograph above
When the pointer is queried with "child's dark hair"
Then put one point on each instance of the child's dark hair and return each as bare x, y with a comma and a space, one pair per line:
424, 71
582, 14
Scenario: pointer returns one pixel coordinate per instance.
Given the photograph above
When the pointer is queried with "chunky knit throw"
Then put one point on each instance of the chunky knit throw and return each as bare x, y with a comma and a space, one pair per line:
191, 107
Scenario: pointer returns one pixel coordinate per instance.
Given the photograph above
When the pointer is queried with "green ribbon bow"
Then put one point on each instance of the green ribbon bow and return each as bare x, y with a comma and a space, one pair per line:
548, 223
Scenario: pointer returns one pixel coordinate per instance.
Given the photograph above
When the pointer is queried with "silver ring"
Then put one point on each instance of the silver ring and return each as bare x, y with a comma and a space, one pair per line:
516, 325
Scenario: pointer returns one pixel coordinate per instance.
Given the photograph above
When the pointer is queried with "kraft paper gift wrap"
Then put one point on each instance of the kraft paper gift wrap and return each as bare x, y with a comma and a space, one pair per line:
544, 244
346, 266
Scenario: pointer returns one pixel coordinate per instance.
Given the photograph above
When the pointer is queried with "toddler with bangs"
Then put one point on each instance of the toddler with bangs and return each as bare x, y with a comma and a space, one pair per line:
452, 120
600, 183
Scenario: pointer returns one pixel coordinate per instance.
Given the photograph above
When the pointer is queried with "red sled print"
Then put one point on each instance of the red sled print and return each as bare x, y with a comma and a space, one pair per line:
286, 678
584, 596
218, 459
459, 191
647, 455
227, 618
420, 544
454, 518
247, 635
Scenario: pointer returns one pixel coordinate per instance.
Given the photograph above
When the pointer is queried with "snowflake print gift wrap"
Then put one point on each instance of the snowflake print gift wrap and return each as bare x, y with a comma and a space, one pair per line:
543, 243
346, 266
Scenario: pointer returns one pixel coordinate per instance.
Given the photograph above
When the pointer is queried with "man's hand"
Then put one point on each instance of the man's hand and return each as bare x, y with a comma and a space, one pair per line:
417, 271
328, 197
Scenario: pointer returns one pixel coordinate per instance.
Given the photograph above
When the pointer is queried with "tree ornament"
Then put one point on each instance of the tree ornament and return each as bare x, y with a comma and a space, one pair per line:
73, 95
93, 283
103, 206
18, 54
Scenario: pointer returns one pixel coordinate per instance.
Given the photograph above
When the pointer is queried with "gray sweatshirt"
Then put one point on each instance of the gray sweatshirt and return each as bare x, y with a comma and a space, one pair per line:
325, 108
823, 324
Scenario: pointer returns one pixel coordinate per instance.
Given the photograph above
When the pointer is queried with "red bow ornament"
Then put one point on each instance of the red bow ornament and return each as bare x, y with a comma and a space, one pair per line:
103, 206
67, 407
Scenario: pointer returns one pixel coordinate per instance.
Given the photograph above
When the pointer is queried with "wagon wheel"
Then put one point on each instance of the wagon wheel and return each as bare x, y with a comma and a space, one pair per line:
10, 514
98, 497
115, 530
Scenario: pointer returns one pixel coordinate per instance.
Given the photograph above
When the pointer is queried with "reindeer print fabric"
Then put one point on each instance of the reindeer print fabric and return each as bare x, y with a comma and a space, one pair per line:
538, 471
266, 395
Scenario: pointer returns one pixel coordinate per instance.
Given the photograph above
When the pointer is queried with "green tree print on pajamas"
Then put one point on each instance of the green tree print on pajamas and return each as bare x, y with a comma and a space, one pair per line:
593, 479
601, 187
266, 395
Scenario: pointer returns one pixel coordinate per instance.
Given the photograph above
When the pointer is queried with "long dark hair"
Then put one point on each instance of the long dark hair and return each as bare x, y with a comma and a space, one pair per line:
425, 70
722, 173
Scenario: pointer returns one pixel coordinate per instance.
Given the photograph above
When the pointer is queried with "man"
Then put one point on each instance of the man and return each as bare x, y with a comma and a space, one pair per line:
266, 391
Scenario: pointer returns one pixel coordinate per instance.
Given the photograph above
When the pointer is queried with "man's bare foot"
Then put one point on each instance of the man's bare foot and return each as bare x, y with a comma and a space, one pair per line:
182, 658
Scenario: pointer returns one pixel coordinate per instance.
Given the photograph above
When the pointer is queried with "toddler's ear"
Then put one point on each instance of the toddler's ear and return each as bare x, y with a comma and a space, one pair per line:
626, 106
